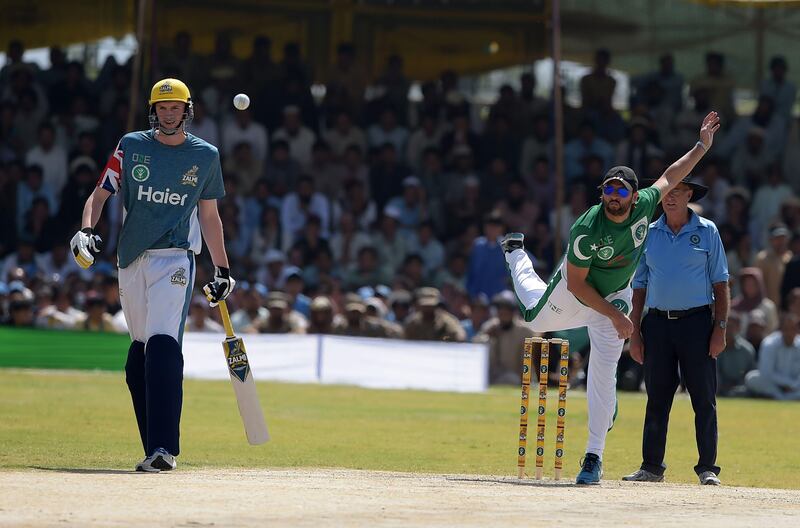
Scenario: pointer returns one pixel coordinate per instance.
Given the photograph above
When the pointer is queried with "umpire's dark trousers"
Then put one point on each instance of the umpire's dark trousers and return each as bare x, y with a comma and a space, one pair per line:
670, 344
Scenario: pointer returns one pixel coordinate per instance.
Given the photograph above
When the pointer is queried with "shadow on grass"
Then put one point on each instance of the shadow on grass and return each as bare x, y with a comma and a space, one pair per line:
83, 471
512, 481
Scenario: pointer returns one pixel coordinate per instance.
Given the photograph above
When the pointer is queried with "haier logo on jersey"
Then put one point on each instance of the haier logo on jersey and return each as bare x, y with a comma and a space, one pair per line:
161, 197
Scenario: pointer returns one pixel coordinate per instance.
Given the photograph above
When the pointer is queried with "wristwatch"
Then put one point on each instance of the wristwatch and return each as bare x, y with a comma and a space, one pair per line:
722, 324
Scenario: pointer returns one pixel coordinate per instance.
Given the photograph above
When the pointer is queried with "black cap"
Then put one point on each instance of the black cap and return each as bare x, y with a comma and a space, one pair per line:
623, 174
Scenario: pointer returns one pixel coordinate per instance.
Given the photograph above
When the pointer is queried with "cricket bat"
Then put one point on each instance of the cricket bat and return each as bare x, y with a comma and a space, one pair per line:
243, 384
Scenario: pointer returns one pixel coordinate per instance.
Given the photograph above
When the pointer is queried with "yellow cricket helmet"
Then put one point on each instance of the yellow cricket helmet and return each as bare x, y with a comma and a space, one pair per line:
170, 90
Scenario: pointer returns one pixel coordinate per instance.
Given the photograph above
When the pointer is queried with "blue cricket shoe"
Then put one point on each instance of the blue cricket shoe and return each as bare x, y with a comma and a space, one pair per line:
591, 470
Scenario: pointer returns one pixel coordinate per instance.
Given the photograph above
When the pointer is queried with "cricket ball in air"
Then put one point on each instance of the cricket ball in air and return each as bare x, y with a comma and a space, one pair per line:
241, 101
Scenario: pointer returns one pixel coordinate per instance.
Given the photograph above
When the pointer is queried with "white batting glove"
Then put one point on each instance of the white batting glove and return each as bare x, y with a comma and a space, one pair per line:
85, 245
219, 288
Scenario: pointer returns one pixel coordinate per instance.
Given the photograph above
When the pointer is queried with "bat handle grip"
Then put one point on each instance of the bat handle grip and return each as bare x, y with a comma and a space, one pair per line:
226, 318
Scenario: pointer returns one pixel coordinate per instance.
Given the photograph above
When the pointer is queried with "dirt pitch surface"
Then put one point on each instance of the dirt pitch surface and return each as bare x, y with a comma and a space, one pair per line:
333, 497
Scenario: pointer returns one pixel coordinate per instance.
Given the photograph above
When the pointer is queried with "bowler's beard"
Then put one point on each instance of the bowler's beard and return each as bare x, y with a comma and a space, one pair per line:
622, 210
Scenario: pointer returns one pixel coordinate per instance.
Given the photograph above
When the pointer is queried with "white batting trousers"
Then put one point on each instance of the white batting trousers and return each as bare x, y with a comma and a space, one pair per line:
552, 307
155, 291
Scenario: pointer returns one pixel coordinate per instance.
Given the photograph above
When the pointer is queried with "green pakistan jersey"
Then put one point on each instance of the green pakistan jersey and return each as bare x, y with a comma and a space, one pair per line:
611, 250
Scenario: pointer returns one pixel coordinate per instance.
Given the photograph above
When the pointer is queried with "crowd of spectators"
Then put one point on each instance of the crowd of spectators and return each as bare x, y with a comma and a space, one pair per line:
364, 213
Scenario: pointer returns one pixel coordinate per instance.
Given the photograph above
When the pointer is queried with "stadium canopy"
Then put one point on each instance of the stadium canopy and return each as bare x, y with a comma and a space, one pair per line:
469, 36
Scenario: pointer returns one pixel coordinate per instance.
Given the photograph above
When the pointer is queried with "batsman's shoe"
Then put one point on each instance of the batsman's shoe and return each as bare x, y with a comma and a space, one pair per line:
146, 466
642, 475
709, 478
162, 460
512, 241
591, 470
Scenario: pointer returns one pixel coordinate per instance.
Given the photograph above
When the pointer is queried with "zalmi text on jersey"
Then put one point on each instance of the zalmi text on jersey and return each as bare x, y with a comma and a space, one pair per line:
161, 186
611, 250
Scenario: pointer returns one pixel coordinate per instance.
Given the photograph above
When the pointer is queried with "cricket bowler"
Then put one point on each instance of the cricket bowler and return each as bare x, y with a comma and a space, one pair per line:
592, 284
169, 182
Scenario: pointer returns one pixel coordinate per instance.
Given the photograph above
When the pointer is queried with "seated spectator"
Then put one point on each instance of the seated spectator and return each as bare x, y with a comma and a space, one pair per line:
203, 126
412, 272
772, 261
358, 323
27, 191
50, 157
299, 137
578, 199
322, 319
637, 149
293, 286
778, 374
755, 329
59, 262
736, 360
714, 201
478, 315
499, 141
411, 207
608, 124
460, 136
282, 319
541, 247
505, 334
30, 113
749, 164
425, 244
753, 297
399, 306
687, 121
392, 246
354, 168
387, 175
199, 319
347, 240
767, 203
427, 136
328, 176
81, 184
247, 168
45, 230
779, 88
251, 313
536, 147
271, 273
764, 119
344, 134
495, 179
518, 212
298, 206
487, 267
586, 143
358, 203
24, 258
377, 311
242, 129
430, 322
281, 171
453, 272
509, 107
366, 271
97, 318
388, 130
541, 185
21, 313
311, 241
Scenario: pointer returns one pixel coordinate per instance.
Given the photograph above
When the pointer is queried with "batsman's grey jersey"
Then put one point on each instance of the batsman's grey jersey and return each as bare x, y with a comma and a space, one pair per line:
161, 186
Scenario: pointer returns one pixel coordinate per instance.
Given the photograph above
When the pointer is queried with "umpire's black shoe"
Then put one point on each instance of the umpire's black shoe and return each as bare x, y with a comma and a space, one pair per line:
512, 241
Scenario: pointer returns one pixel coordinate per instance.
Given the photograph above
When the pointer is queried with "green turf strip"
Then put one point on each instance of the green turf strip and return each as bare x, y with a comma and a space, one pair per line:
53, 349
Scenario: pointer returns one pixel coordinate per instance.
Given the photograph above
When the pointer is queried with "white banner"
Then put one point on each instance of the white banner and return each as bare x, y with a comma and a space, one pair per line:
365, 362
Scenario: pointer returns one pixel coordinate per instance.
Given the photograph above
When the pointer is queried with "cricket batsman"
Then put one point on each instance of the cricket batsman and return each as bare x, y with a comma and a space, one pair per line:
592, 285
169, 181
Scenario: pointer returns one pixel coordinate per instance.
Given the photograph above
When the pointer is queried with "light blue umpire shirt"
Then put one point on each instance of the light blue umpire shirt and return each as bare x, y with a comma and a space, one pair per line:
679, 271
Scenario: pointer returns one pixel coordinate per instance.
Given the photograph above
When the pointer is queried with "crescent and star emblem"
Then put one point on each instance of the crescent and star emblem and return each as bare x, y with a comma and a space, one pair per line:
577, 250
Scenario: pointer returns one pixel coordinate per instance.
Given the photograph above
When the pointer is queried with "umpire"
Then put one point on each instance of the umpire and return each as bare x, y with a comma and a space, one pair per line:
683, 279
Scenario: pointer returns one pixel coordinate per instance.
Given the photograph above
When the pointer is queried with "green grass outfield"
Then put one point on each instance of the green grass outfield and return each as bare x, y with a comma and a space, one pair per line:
57, 419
